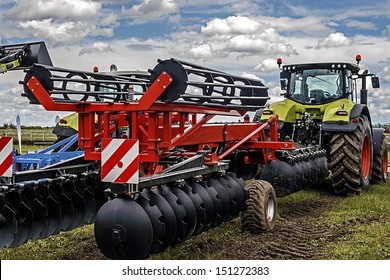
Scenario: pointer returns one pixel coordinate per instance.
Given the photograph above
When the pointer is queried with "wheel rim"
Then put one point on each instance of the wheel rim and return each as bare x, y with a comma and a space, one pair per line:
366, 157
270, 208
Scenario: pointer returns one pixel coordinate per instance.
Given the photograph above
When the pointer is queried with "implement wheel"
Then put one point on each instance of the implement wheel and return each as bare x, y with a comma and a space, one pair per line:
260, 213
351, 159
379, 169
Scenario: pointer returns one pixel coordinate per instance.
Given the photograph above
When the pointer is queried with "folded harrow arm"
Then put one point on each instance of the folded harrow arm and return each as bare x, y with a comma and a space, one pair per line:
22, 56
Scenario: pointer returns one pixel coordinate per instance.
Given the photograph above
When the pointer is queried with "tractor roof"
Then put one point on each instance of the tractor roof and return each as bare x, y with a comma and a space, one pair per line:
327, 65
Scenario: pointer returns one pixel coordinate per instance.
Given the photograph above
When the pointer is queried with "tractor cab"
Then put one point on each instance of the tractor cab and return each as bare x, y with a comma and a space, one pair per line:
318, 83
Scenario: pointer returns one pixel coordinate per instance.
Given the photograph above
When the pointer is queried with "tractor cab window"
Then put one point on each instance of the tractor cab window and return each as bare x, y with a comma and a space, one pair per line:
316, 86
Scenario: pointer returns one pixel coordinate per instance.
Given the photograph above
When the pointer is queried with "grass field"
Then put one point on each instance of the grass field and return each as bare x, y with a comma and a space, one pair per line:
32, 139
366, 218
30, 134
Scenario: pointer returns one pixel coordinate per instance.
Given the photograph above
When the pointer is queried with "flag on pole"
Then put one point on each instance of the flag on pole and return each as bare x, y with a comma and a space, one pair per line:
19, 130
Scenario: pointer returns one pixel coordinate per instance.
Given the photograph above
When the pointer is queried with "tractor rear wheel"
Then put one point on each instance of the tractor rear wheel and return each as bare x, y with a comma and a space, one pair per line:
260, 213
379, 169
351, 159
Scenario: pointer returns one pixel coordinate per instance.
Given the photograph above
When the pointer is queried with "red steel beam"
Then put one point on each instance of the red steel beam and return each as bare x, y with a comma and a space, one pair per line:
245, 139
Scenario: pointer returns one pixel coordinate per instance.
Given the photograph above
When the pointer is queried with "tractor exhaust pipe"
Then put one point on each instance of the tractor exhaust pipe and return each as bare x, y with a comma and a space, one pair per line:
363, 91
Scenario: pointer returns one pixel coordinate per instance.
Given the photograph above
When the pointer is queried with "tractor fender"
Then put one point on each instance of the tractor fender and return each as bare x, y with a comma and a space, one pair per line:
357, 110
286, 109
377, 134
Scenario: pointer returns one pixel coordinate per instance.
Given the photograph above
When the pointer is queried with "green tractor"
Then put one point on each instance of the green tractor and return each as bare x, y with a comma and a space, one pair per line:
322, 107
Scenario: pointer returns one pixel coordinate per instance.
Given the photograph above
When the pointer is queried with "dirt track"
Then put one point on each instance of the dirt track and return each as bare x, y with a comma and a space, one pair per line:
298, 235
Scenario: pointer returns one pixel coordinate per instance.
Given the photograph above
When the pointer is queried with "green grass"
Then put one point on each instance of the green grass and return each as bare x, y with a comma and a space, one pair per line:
32, 139
364, 221
205, 245
30, 135
66, 245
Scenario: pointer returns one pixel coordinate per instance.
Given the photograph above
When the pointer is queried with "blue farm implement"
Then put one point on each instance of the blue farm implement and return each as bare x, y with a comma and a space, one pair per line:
58, 152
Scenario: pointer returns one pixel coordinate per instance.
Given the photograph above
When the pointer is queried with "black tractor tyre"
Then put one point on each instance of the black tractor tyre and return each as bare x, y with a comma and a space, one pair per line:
351, 159
260, 213
379, 169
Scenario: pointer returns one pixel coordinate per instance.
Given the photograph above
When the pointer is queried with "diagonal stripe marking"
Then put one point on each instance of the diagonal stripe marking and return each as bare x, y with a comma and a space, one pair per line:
5, 147
127, 175
115, 152
4, 141
5, 166
126, 160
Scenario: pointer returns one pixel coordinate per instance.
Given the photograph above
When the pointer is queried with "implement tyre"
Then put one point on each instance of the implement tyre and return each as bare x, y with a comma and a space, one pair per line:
352, 159
260, 213
379, 169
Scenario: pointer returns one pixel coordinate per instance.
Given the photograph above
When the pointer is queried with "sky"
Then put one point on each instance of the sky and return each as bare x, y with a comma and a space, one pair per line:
239, 37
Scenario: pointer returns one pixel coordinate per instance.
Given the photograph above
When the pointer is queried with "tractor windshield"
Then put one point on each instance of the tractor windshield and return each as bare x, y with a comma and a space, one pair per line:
316, 86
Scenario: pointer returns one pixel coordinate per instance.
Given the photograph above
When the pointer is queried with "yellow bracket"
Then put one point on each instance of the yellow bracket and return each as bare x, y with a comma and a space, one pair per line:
4, 67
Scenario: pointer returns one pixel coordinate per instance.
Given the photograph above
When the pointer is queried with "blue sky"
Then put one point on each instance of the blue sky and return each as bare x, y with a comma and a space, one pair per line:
241, 37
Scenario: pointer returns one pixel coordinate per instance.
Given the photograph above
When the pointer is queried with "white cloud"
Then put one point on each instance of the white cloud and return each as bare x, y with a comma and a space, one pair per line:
256, 44
175, 19
110, 19
268, 65
308, 25
253, 24
150, 10
57, 32
65, 32
111, 1
25, 10
361, 24
202, 51
379, 104
29, 114
387, 30
57, 21
274, 91
245, 36
97, 47
334, 40
231, 25
299, 10
385, 74
245, 7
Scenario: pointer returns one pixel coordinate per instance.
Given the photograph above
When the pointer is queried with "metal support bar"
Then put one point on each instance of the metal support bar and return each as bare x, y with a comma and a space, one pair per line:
180, 138
246, 138
159, 179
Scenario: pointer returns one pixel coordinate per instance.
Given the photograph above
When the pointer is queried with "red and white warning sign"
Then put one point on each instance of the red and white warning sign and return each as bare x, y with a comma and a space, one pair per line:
120, 161
6, 148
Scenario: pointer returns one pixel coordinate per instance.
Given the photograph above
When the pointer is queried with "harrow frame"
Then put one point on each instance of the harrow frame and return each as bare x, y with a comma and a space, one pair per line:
153, 123
183, 156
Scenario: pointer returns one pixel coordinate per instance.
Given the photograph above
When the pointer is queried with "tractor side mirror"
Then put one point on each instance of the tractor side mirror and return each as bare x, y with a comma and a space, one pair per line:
284, 76
283, 84
375, 82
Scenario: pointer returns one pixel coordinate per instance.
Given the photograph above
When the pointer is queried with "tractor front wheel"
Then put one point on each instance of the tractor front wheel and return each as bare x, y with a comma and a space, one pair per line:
351, 158
260, 213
